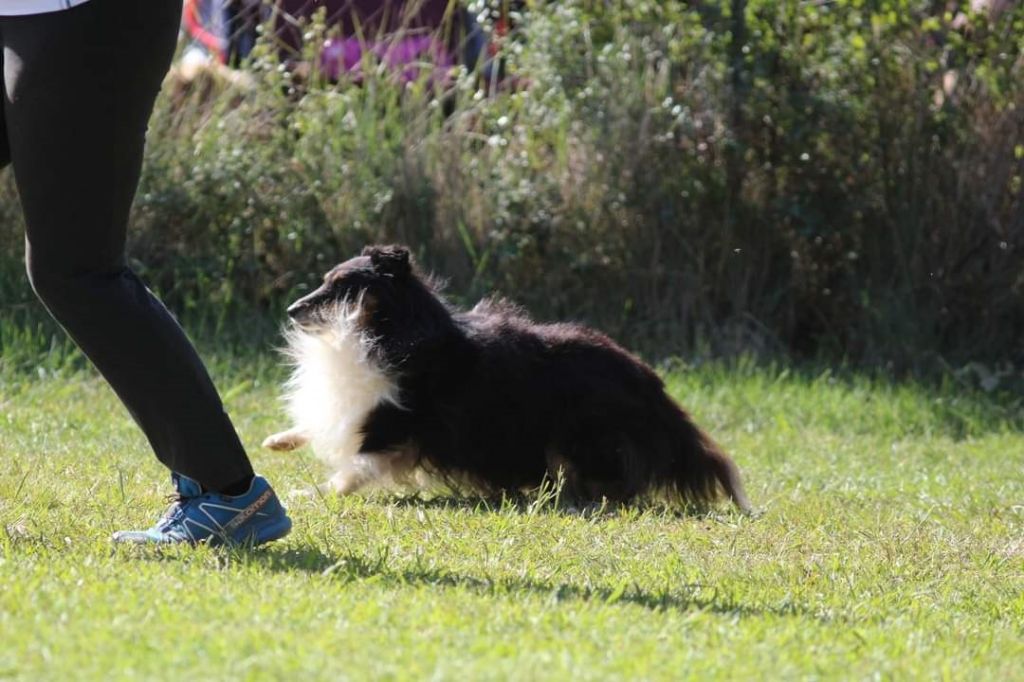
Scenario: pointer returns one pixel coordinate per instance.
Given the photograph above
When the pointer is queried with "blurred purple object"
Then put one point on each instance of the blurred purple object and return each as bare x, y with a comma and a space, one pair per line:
404, 56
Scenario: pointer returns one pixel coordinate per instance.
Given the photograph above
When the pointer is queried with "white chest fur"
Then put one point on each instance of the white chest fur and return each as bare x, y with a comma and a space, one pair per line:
334, 386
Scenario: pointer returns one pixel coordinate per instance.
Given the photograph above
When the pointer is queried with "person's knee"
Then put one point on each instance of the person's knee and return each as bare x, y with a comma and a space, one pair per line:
62, 277
50, 284
59, 286
75, 287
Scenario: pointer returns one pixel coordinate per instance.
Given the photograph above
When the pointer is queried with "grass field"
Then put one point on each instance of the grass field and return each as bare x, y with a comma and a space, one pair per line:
891, 545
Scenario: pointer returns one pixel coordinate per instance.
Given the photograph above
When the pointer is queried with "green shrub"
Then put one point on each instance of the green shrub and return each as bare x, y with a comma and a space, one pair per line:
768, 176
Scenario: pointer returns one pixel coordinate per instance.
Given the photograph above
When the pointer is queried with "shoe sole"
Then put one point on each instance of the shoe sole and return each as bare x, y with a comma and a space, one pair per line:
256, 536
268, 533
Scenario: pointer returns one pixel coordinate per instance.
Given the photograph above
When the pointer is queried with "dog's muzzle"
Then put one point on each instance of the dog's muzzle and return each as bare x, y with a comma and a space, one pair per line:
303, 310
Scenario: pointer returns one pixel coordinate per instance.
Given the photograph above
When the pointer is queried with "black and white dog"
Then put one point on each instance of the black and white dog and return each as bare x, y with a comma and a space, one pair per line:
393, 387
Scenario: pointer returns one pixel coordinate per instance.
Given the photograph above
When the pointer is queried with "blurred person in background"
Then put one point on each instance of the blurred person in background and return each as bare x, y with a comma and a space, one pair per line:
404, 34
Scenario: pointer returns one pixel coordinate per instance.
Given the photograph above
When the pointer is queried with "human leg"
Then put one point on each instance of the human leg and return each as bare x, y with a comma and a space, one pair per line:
79, 86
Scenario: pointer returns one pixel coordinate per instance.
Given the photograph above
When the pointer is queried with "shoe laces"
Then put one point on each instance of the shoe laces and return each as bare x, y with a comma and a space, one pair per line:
175, 510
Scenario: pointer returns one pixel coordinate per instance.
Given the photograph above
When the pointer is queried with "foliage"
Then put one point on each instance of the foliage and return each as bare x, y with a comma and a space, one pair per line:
828, 178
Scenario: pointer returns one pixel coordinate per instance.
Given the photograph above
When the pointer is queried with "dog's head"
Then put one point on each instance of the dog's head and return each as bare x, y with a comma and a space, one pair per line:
379, 295
377, 279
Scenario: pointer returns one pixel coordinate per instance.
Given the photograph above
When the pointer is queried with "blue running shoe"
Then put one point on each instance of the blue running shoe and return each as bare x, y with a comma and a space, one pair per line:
196, 516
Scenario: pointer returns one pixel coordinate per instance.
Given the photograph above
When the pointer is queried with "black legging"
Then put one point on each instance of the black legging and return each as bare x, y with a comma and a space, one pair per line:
78, 88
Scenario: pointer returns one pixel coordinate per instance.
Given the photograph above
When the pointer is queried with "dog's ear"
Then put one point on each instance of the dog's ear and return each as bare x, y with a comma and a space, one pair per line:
389, 260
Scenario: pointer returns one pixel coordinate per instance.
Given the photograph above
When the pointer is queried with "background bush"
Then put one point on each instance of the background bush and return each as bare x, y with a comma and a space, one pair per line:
826, 178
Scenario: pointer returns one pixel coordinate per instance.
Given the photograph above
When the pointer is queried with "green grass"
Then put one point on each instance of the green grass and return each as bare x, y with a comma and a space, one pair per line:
891, 545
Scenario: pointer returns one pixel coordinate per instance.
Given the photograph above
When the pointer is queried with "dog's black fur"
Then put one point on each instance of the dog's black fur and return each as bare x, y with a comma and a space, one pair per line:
490, 397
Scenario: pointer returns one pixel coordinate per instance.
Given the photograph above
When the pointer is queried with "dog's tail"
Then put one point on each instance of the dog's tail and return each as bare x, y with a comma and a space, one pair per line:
702, 468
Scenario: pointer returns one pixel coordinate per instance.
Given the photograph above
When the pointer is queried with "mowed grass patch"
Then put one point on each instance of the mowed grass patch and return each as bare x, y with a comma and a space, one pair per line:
890, 543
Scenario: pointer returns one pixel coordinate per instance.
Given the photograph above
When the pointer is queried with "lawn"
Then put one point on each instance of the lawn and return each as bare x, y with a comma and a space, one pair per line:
890, 545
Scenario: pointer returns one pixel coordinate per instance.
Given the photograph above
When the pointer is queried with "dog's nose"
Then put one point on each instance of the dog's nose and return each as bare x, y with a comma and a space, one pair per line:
302, 308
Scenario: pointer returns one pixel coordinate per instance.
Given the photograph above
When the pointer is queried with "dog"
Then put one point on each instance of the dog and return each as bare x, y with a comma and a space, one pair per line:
395, 388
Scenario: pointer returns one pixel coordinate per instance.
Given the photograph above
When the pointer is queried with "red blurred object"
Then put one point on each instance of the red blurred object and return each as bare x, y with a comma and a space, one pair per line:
215, 44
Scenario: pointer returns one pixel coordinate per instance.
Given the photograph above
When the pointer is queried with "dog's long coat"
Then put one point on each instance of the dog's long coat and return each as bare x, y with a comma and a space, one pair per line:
393, 386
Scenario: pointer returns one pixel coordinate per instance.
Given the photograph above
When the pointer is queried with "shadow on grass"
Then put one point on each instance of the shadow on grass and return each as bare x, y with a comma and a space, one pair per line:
354, 568
548, 501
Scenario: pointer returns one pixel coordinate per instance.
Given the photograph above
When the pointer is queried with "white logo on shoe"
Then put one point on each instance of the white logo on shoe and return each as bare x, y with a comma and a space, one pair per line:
223, 531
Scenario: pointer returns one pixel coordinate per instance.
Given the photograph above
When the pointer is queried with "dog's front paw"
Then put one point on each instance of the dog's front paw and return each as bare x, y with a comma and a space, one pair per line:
286, 440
